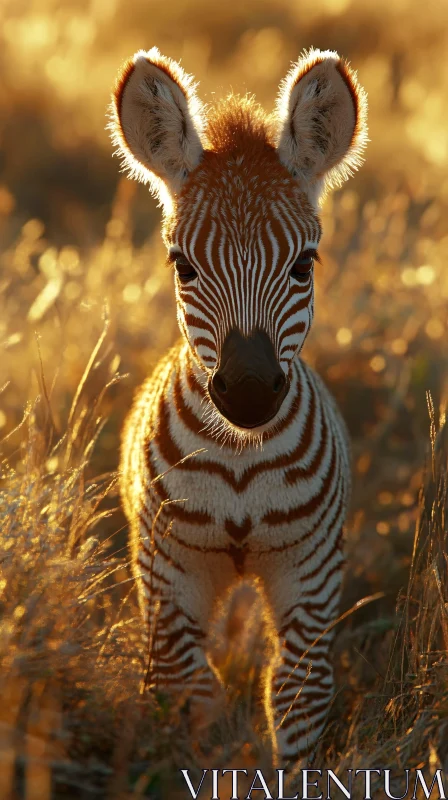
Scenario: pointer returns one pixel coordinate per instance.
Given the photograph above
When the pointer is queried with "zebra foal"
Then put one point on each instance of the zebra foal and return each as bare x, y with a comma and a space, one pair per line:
264, 500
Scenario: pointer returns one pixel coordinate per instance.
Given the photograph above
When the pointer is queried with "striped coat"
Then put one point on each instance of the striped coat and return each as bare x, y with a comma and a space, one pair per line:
235, 463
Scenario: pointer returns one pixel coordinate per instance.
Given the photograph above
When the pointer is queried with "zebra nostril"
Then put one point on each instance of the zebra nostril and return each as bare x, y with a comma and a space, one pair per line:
279, 383
219, 384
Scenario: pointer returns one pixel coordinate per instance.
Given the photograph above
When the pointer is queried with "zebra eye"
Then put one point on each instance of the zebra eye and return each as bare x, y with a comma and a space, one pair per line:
303, 265
184, 269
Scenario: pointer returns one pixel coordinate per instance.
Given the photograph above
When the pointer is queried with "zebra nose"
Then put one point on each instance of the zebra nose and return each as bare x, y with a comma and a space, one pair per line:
249, 386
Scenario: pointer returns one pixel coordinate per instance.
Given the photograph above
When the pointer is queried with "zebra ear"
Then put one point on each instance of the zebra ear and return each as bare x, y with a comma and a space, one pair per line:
156, 122
322, 121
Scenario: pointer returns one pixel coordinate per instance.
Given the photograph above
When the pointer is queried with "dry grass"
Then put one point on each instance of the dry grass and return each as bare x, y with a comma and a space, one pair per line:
73, 721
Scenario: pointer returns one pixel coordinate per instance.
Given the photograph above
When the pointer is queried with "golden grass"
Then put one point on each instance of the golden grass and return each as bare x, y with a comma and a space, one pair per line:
73, 717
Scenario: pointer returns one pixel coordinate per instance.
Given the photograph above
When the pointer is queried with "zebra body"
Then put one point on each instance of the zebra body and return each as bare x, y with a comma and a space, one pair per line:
274, 513
235, 462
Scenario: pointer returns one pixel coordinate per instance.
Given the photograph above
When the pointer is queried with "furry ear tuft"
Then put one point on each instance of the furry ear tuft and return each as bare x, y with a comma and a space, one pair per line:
321, 121
156, 122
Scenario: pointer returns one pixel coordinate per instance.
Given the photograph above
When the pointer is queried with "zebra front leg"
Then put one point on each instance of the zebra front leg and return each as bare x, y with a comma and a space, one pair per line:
175, 663
176, 657
303, 685
303, 689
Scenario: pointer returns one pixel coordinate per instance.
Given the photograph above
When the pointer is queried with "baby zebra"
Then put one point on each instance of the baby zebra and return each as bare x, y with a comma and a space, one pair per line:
264, 500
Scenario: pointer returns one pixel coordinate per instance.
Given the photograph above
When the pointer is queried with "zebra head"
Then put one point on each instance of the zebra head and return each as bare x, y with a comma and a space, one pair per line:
240, 192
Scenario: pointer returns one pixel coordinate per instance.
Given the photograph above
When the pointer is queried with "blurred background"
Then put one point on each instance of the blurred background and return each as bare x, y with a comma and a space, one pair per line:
75, 235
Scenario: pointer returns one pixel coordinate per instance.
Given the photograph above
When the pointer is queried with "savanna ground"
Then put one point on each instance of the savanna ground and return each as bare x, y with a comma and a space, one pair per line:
87, 309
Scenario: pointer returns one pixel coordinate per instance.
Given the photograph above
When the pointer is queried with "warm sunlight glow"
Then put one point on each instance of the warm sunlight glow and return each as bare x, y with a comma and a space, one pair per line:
87, 310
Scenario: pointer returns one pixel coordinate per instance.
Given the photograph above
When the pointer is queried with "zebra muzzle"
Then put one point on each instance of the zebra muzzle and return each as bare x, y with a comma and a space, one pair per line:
249, 386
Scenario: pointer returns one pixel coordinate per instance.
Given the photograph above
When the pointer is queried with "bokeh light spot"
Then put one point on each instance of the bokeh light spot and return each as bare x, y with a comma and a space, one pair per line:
435, 329
409, 276
383, 528
426, 274
378, 363
399, 346
344, 337
131, 293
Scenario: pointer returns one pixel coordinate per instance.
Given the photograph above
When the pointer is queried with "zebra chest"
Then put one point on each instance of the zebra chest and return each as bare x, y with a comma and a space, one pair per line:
212, 504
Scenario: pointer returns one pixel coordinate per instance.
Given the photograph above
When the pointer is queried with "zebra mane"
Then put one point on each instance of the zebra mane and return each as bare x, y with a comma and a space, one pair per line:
237, 124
